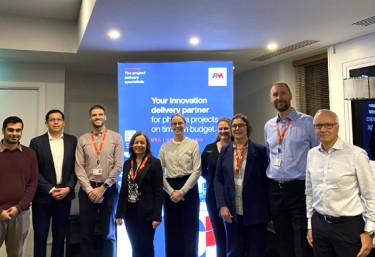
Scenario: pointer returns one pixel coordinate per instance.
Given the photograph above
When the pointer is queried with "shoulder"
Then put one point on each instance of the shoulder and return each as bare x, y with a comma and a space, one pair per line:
153, 159
257, 146
114, 134
304, 117
69, 136
39, 138
270, 122
28, 151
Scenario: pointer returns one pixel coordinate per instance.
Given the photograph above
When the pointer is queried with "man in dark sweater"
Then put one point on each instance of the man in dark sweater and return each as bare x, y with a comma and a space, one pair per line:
18, 182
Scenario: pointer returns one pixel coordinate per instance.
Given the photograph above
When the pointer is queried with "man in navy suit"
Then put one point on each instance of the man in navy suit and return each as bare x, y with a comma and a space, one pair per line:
56, 159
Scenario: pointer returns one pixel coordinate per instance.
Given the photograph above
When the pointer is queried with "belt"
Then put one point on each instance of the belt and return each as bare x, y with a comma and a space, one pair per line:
331, 219
58, 186
287, 184
96, 184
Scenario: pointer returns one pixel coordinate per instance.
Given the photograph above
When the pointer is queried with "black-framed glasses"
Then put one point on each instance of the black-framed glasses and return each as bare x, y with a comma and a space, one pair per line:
239, 125
325, 125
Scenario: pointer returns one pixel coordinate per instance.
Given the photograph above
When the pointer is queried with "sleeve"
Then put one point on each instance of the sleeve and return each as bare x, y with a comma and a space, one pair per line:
72, 178
366, 184
122, 198
114, 174
32, 183
219, 182
80, 167
44, 185
166, 185
308, 191
158, 190
196, 172
310, 128
204, 163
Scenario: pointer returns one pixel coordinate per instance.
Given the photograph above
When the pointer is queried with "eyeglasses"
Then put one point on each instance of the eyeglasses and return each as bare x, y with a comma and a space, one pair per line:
175, 124
239, 125
325, 125
55, 120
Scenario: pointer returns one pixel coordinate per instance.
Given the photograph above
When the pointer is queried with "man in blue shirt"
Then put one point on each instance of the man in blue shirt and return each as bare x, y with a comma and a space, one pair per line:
288, 138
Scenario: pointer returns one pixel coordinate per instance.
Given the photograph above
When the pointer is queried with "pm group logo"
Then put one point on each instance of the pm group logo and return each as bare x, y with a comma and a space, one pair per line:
217, 77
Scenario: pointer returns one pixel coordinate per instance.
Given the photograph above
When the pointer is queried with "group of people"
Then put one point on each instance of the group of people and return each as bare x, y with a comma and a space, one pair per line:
318, 191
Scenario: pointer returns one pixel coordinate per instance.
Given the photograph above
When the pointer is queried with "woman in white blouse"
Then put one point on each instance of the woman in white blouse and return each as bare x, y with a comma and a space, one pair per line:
181, 161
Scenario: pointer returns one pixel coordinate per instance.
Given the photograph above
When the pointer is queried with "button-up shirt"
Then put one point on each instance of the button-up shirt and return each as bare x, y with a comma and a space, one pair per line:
57, 150
110, 159
340, 183
180, 159
298, 140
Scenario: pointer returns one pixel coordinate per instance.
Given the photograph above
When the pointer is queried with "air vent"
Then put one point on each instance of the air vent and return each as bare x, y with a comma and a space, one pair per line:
365, 22
284, 50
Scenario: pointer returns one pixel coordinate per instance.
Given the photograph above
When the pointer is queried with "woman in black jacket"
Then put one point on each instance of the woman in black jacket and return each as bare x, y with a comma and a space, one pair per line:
141, 196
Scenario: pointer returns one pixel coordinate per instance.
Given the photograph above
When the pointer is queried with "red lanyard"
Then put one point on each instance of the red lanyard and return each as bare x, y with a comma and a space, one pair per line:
98, 151
133, 175
239, 158
281, 137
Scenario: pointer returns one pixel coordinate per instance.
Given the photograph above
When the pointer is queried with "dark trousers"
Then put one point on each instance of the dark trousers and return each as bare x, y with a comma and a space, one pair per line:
181, 222
217, 224
246, 240
336, 239
43, 213
88, 215
288, 210
140, 232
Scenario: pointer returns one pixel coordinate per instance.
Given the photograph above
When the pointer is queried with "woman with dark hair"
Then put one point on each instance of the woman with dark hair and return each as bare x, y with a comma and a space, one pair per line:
209, 160
141, 196
181, 160
241, 192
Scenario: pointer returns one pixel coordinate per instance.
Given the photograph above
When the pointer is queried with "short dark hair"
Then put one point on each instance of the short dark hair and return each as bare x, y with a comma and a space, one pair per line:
244, 119
54, 111
96, 106
148, 146
12, 119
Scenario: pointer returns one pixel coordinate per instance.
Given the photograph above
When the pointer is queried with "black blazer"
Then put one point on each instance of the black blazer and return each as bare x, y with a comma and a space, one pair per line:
209, 158
254, 191
150, 185
47, 174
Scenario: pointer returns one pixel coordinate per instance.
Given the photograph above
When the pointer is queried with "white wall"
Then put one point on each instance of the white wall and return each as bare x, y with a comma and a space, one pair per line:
251, 91
355, 53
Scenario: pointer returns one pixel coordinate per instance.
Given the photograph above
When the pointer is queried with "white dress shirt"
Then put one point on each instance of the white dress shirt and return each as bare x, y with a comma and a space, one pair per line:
340, 183
57, 149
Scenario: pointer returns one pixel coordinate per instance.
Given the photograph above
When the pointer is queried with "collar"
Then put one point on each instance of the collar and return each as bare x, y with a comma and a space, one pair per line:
293, 115
3, 147
100, 133
339, 145
52, 138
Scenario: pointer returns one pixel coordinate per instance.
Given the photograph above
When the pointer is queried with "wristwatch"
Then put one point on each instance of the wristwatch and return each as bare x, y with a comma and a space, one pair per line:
106, 185
371, 233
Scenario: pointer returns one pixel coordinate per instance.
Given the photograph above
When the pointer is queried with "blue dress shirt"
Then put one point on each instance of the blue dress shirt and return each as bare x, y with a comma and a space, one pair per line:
292, 152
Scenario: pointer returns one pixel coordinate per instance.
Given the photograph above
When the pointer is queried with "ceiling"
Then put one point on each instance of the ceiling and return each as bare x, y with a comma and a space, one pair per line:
74, 32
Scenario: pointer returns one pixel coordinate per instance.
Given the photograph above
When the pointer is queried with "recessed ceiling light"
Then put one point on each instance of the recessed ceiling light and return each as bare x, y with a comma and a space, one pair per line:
272, 46
194, 41
114, 34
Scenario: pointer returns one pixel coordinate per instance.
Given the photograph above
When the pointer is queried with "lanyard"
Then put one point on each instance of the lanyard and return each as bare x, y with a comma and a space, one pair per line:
281, 137
133, 175
98, 151
239, 158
